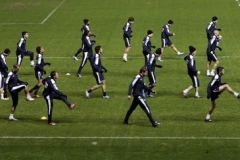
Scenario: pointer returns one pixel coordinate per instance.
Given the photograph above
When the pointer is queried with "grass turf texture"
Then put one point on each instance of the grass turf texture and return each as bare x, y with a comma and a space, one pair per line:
97, 117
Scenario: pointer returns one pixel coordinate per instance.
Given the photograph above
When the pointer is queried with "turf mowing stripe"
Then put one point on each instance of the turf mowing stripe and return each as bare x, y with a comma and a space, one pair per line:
169, 138
52, 12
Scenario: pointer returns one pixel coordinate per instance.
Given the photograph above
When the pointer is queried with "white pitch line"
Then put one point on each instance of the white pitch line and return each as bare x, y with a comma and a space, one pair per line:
19, 23
167, 138
52, 12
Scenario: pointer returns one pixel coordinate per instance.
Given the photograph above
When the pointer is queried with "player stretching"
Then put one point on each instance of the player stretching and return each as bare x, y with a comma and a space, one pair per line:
15, 85
22, 51
84, 29
165, 34
215, 88
39, 71
127, 31
98, 69
51, 92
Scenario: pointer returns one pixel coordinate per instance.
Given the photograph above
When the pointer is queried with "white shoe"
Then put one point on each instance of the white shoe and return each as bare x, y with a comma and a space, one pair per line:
208, 74
32, 64
124, 59
12, 119
29, 98
212, 74
5, 99
106, 96
185, 94
87, 94
75, 58
160, 60
180, 53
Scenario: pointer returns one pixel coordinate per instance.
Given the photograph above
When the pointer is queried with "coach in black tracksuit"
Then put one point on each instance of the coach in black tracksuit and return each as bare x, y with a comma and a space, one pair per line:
137, 85
51, 92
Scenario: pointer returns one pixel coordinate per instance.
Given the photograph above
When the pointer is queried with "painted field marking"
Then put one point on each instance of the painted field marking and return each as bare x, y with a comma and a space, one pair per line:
167, 138
52, 12
48, 16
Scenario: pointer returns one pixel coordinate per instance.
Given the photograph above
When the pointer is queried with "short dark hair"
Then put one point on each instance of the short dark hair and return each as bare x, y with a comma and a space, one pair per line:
149, 32
97, 48
24, 32
170, 22
219, 69
143, 69
53, 73
85, 21
158, 51
214, 18
15, 66
38, 49
130, 19
7, 51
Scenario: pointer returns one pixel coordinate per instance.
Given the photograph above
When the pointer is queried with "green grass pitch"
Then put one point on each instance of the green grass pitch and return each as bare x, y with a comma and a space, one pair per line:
94, 129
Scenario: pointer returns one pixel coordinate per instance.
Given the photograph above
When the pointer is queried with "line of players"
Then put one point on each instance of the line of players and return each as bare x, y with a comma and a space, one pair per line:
215, 86
15, 85
150, 64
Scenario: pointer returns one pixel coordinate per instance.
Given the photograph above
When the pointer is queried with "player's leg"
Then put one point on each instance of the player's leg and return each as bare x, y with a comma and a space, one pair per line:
210, 110
152, 82
23, 86
130, 110
229, 89
215, 60
19, 59
175, 49
35, 89
127, 48
196, 85
64, 99
104, 93
164, 45
31, 56
143, 104
83, 62
49, 102
185, 91
14, 95
208, 68
99, 84
5, 84
2, 88
77, 53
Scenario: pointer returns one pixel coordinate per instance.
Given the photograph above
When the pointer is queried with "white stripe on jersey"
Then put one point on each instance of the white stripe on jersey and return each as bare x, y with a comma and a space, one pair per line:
54, 84
127, 26
39, 58
3, 58
20, 42
135, 80
9, 75
96, 59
